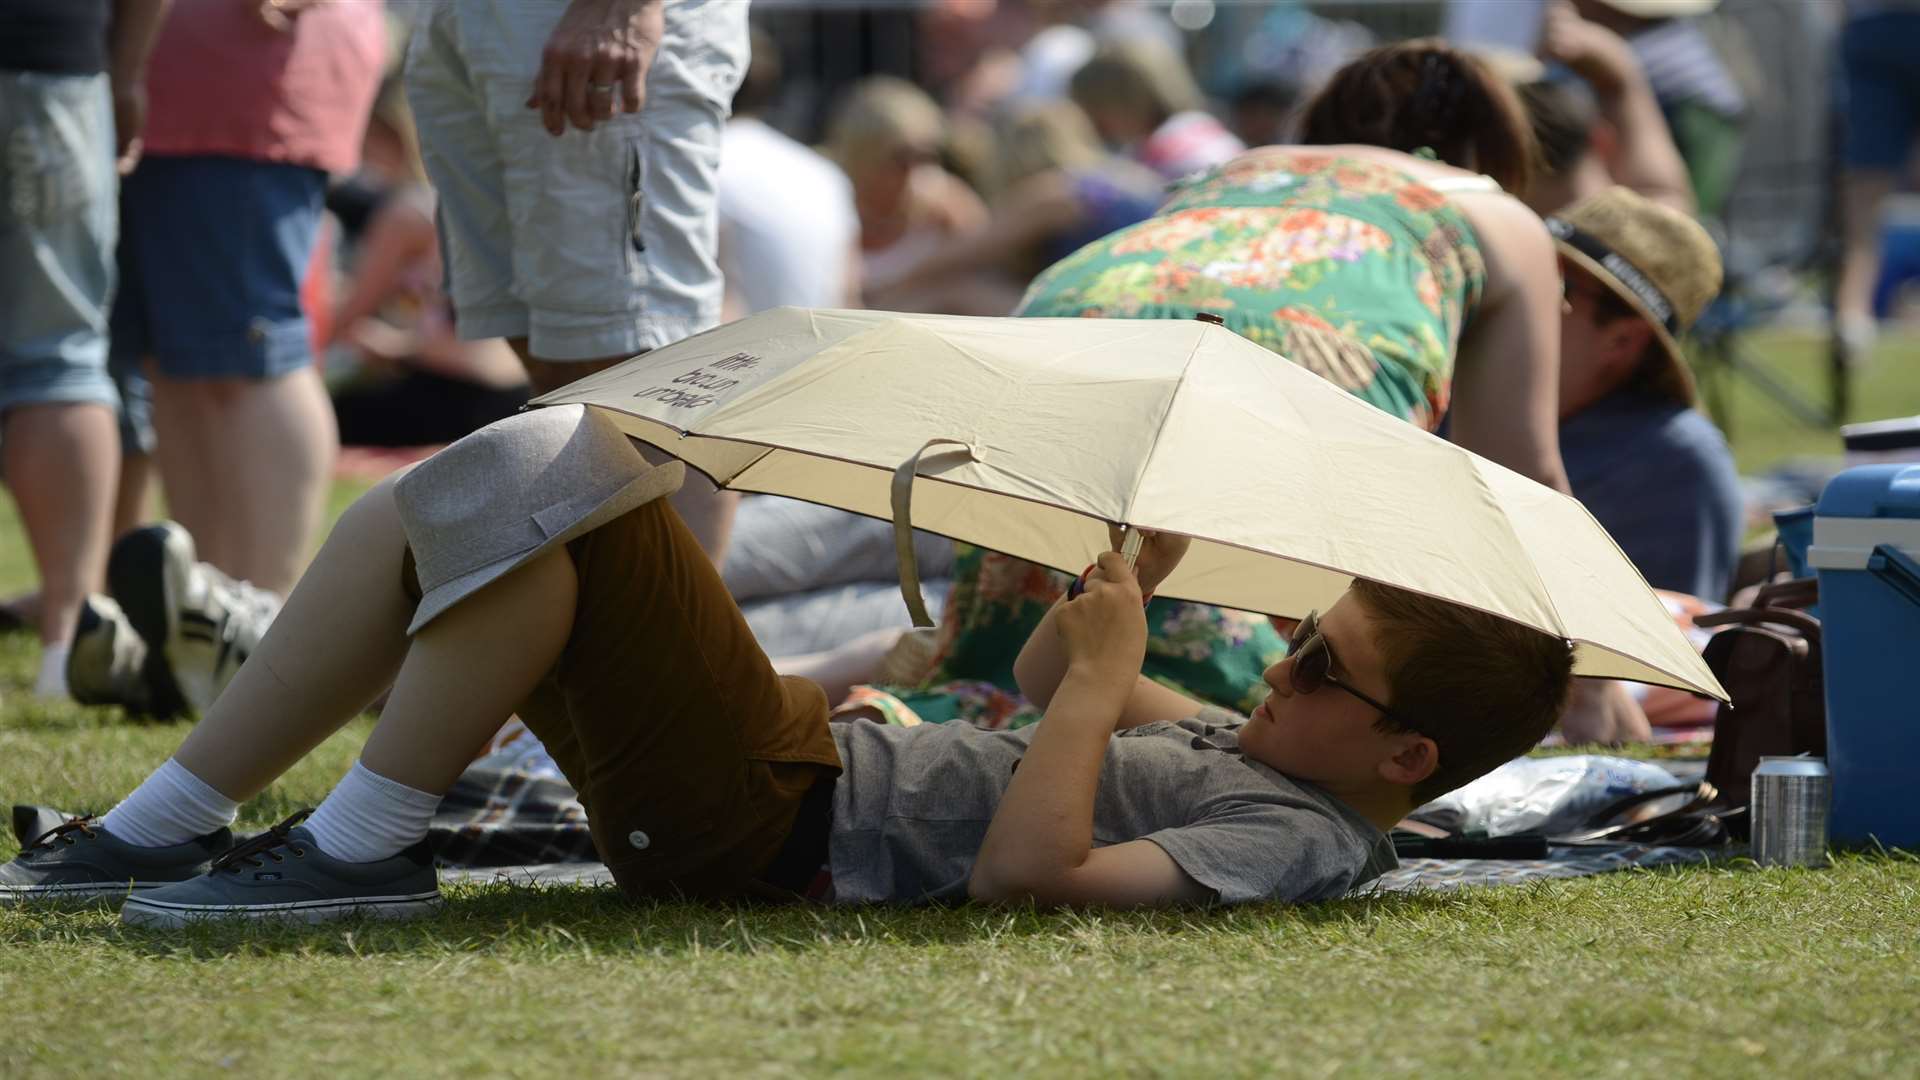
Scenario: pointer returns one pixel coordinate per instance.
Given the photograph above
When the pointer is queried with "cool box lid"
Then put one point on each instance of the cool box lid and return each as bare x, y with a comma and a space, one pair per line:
1872, 491
1863, 508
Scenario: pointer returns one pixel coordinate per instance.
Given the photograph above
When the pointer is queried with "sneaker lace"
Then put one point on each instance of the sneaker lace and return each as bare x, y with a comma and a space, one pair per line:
61, 833
265, 846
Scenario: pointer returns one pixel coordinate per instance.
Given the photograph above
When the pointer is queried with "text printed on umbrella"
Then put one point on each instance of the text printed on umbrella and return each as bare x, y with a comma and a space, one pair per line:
684, 391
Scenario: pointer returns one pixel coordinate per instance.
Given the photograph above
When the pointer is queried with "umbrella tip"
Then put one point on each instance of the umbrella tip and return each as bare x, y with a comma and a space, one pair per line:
1209, 317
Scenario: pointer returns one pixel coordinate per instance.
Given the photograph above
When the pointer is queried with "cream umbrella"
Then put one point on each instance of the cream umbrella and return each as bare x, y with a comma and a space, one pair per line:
1039, 432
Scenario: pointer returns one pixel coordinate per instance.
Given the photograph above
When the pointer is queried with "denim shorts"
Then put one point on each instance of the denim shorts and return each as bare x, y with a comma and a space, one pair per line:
589, 244
1883, 89
213, 251
57, 222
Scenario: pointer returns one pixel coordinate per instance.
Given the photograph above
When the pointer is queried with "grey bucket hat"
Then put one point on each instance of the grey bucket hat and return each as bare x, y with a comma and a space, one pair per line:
506, 493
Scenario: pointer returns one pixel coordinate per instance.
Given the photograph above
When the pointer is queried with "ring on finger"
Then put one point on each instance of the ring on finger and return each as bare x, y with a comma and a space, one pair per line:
603, 88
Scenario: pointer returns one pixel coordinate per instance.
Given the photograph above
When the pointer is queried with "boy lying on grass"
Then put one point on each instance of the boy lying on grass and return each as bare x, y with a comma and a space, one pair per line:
532, 567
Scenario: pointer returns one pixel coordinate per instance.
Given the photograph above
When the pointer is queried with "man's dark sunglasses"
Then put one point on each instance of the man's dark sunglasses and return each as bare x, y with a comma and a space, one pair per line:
1313, 667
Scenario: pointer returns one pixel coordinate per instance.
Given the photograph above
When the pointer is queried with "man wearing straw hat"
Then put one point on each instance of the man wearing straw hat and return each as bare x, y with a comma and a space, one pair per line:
535, 567
1654, 471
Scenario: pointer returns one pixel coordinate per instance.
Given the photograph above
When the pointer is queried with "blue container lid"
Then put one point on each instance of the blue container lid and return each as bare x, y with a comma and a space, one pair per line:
1795, 528
1872, 491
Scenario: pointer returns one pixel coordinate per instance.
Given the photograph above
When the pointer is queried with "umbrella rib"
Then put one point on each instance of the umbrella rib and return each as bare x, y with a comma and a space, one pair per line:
1166, 415
1533, 571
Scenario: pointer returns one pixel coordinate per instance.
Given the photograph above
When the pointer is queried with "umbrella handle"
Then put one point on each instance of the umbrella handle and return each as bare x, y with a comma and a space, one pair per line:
903, 527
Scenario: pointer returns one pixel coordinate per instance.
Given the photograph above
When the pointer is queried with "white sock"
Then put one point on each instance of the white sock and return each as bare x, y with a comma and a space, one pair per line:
170, 807
52, 682
369, 817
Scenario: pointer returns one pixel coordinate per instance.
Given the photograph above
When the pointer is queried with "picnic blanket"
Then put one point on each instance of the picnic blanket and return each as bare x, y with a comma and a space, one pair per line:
1561, 862
510, 818
1413, 874
512, 807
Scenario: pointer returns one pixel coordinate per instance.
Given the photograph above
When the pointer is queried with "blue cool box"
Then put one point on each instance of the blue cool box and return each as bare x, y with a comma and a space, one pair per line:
1866, 552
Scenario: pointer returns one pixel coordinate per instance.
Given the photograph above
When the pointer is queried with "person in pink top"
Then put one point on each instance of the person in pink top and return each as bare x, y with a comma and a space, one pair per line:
252, 103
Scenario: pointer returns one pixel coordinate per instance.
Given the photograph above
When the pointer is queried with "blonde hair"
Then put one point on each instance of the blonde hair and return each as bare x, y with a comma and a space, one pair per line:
1040, 137
1143, 76
880, 116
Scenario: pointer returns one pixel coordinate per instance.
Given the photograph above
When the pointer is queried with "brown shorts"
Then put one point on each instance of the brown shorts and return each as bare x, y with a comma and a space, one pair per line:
690, 753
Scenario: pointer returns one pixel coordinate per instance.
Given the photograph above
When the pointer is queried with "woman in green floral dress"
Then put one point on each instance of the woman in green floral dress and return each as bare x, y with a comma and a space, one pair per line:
1390, 256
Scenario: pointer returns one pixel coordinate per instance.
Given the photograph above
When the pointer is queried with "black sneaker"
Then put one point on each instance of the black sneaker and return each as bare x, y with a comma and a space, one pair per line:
282, 874
106, 660
137, 571
79, 860
199, 624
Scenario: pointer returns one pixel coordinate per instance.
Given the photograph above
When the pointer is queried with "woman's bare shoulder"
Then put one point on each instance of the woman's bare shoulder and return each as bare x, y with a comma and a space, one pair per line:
1515, 247
1501, 222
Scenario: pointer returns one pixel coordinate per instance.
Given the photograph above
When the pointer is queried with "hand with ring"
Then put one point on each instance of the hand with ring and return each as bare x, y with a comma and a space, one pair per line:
596, 61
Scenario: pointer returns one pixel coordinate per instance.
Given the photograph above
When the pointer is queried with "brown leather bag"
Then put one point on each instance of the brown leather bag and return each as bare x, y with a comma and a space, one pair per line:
1768, 658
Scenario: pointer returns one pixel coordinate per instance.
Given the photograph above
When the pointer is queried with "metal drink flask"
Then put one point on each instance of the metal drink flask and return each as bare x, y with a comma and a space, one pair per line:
1791, 797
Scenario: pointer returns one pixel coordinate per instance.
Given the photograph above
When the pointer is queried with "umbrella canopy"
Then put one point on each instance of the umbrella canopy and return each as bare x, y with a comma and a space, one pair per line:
1289, 486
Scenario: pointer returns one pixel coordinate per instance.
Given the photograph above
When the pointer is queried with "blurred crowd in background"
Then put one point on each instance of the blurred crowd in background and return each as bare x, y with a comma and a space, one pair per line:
930, 156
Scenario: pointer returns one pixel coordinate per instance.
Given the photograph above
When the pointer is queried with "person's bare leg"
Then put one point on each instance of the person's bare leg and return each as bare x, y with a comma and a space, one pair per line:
838, 670
184, 410
336, 644
132, 508
467, 671
245, 464
707, 510
279, 440
1862, 194
1603, 712
59, 461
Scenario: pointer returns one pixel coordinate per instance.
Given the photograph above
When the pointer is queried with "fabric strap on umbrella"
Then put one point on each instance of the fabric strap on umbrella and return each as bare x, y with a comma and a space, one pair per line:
903, 524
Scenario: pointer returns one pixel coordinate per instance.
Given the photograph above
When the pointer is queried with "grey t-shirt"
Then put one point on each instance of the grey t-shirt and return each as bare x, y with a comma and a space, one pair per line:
913, 805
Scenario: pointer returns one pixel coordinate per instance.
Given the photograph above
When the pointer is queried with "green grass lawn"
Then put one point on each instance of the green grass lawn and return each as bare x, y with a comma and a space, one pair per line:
1763, 434
1730, 970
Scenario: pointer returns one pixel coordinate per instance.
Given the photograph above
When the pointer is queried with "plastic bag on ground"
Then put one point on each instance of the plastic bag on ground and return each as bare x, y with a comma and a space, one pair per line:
1552, 795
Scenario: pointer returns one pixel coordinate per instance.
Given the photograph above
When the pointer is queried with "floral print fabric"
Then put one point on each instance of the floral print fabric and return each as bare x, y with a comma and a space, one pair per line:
1347, 267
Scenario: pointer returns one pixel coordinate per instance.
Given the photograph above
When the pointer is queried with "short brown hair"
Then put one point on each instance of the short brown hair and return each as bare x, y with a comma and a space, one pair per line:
1423, 94
1485, 689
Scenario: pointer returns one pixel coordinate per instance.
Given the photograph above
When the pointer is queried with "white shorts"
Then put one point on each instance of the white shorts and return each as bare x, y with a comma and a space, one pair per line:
590, 244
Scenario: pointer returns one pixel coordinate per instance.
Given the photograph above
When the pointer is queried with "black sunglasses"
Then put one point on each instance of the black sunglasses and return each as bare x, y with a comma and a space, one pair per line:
1313, 667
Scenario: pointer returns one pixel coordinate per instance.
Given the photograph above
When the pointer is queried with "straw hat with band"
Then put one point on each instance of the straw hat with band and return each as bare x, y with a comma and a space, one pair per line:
507, 493
1657, 259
